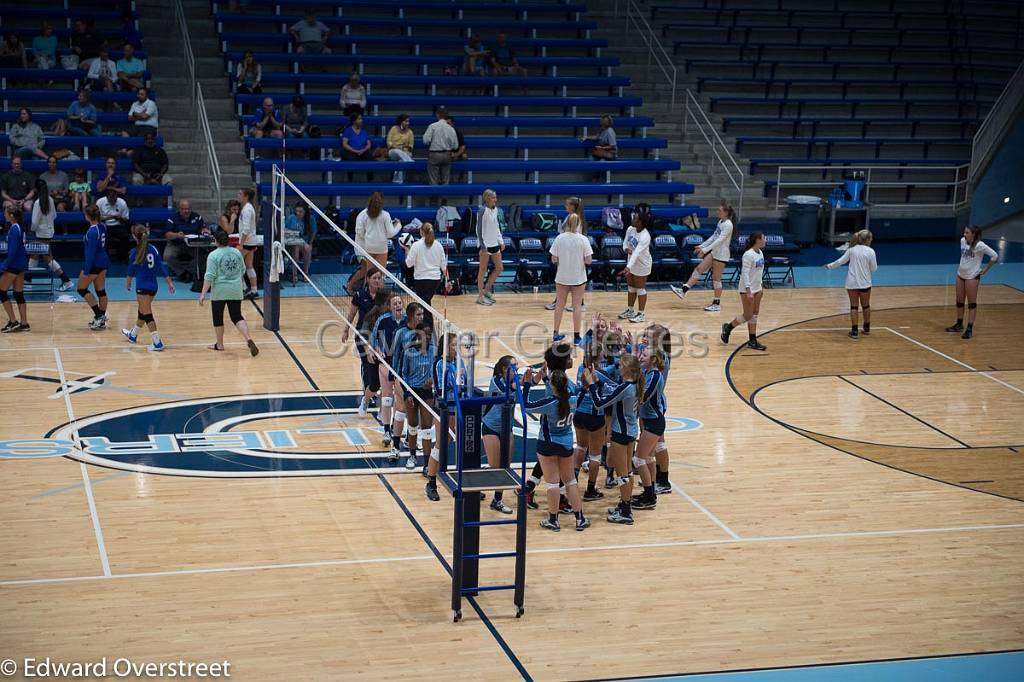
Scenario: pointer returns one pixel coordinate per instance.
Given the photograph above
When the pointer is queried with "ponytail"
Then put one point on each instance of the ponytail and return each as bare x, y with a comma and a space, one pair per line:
729, 212
427, 232
560, 389
752, 239
141, 234
577, 209
630, 365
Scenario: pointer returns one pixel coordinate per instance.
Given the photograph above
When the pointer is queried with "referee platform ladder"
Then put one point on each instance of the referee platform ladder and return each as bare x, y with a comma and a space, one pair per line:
469, 479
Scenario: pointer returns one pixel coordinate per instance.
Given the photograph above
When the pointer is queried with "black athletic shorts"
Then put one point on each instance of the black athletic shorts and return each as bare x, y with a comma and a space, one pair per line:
723, 262
250, 247
96, 271
146, 292
488, 431
493, 249
549, 449
13, 271
864, 290
622, 438
588, 422
655, 426
978, 276
369, 375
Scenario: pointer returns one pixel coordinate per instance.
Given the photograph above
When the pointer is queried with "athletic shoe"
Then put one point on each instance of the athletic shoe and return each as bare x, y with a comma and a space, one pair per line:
530, 501
754, 344
156, 347
392, 456
564, 507
585, 466
483, 300
489, 296
431, 491
550, 306
253, 350
662, 488
642, 502
23, 327
582, 524
568, 308
638, 317
500, 506
619, 481
385, 442
852, 334
968, 333
557, 337
550, 525
252, 294
423, 472
97, 323
958, 327
410, 463
618, 516
726, 331
9, 327
866, 332
64, 286
129, 337
609, 481
580, 342
678, 291
591, 495
583, 308
712, 308
362, 408
626, 314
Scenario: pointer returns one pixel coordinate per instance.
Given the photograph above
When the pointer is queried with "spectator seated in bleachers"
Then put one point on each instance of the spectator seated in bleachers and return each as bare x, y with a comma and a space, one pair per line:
81, 119
79, 189
44, 48
310, 35
269, 122
26, 137
177, 254
355, 141
149, 164
17, 187
477, 58
353, 96
249, 75
503, 59
129, 69
144, 115
294, 120
461, 153
56, 184
400, 141
606, 146
110, 180
102, 75
12, 53
84, 44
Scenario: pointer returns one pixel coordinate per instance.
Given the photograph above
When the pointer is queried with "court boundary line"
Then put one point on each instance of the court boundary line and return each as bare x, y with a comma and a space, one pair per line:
436, 553
86, 484
954, 360
900, 409
676, 488
804, 666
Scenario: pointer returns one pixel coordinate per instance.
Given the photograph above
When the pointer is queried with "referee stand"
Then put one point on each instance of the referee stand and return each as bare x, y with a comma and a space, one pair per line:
470, 479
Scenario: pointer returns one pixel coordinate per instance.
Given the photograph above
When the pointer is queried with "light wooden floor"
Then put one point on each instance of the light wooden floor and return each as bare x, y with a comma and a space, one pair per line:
824, 512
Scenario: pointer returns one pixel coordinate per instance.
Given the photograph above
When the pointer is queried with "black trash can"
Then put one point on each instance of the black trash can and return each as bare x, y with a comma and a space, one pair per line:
803, 217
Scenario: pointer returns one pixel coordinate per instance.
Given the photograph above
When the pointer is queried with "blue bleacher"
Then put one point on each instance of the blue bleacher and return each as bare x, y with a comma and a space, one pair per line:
241, 40
455, 7
74, 76
501, 105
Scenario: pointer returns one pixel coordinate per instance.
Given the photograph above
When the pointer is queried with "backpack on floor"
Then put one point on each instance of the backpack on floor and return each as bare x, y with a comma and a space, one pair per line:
514, 218
611, 218
543, 220
468, 218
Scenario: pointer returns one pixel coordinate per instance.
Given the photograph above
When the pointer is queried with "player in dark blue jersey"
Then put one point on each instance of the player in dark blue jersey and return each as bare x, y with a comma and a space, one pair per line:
416, 371
555, 442
624, 398
404, 337
12, 272
652, 421
590, 428
448, 374
95, 270
363, 301
145, 265
492, 431
383, 323
658, 336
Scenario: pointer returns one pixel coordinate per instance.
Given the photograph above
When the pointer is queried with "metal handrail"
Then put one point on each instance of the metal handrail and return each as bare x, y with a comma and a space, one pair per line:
201, 131
959, 183
655, 50
999, 117
709, 132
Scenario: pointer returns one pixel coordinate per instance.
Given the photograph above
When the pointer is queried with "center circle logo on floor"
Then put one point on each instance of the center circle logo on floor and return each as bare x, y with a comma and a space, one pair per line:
269, 435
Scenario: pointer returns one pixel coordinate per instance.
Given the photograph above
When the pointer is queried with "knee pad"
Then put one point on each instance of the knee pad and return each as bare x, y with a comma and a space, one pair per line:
3, 297
853, 308
959, 304
148, 318
753, 319
578, 451
552, 486
651, 461
139, 315
83, 292
717, 285
399, 416
638, 461
54, 265
101, 293
435, 455
661, 447
427, 434
387, 402
641, 292
865, 307
595, 458
631, 290
572, 482
970, 306
19, 297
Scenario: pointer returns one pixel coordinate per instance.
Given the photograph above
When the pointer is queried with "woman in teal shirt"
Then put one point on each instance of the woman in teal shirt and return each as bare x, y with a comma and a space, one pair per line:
224, 268
44, 48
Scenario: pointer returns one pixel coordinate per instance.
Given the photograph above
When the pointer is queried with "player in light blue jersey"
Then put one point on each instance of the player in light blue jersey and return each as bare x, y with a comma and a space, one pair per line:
493, 433
404, 336
657, 336
416, 371
652, 419
383, 324
145, 265
448, 375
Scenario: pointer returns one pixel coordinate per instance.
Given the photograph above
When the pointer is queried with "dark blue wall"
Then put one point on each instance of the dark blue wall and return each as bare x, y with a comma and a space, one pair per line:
1003, 178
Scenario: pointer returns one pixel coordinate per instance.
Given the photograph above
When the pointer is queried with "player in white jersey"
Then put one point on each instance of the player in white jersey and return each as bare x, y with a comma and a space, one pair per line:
639, 263
968, 277
750, 291
861, 259
247, 239
714, 254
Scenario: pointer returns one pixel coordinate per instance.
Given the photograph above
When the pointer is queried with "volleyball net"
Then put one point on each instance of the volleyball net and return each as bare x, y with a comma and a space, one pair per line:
313, 313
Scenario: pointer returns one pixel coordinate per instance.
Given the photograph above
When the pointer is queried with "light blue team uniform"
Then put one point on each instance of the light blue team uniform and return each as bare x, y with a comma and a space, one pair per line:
622, 398
556, 434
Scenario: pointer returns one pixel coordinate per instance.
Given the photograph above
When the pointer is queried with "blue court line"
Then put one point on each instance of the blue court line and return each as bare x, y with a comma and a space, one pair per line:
991, 667
76, 486
419, 529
